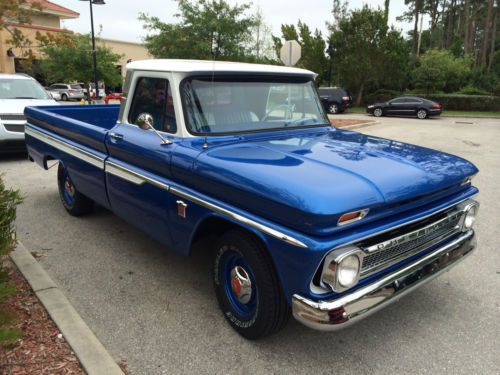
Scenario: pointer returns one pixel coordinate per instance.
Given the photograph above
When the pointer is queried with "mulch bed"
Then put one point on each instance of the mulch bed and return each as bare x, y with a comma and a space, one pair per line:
42, 349
340, 123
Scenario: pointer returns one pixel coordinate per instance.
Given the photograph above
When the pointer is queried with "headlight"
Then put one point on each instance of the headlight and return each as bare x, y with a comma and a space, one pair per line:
341, 268
470, 217
348, 271
371, 106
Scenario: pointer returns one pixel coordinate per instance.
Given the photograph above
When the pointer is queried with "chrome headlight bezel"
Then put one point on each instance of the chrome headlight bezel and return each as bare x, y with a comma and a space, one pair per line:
331, 275
470, 211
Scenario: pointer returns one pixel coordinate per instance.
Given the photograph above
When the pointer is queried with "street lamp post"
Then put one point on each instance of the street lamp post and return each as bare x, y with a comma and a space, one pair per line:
94, 52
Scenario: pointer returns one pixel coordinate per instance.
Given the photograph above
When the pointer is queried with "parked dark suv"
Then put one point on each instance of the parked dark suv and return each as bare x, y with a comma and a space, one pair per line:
335, 99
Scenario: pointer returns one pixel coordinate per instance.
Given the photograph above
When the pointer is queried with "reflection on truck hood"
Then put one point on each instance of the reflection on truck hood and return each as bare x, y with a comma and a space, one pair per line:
312, 177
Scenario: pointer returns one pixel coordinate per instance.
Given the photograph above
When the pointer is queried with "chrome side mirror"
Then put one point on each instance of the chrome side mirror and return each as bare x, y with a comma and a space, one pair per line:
145, 122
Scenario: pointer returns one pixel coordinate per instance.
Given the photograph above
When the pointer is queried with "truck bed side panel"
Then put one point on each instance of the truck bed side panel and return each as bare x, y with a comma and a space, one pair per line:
77, 144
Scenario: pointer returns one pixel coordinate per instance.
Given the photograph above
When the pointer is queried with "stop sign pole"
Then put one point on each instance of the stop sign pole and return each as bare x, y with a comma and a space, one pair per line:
290, 52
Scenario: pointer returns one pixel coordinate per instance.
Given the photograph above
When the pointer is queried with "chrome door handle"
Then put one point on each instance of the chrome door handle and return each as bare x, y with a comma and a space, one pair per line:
116, 136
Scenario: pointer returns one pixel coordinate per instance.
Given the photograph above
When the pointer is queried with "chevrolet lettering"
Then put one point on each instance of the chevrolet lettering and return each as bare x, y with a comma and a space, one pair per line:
301, 219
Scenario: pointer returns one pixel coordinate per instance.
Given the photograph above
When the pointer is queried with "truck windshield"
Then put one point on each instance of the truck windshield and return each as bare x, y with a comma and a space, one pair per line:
228, 105
21, 89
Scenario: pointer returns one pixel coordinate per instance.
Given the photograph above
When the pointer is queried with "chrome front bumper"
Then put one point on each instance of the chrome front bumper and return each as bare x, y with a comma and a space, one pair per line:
336, 314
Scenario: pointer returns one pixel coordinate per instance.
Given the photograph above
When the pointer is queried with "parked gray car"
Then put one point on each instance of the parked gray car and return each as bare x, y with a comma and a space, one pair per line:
68, 91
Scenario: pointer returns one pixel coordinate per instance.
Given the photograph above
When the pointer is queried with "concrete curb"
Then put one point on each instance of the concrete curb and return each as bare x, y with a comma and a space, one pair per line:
91, 353
475, 117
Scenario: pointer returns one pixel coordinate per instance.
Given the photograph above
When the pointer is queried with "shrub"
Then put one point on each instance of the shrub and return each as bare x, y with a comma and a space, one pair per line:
9, 200
381, 95
496, 89
471, 90
440, 70
460, 102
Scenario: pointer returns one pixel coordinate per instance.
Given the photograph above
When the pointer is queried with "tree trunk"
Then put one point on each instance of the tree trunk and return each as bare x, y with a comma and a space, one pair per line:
386, 11
466, 36
415, 27
486, 31
442, 35
360, 94
420, 34
493, 39
451, 24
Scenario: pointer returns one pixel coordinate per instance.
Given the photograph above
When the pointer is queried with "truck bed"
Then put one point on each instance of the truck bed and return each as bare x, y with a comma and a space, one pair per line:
75, 136
85, 124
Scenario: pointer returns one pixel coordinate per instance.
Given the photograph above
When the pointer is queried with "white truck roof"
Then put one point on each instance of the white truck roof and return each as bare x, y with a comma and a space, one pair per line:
185, 66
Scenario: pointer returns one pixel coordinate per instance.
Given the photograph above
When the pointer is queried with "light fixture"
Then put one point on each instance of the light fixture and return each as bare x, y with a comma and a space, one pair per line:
341, 268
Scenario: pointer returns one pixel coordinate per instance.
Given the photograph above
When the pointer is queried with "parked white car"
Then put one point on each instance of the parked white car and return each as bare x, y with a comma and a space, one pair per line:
55, 94
16, 93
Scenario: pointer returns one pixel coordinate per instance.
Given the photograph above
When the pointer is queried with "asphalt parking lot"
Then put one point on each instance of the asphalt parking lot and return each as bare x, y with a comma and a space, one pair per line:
157, 310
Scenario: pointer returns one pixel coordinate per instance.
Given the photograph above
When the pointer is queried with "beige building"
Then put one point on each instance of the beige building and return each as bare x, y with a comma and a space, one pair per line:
48, 21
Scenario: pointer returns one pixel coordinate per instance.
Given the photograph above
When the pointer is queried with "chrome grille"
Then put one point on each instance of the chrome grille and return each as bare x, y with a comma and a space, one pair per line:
9, 117
382, 254
18, 128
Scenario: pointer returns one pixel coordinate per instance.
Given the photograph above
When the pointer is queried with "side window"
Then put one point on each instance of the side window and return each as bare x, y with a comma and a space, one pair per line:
398, 101
154, 96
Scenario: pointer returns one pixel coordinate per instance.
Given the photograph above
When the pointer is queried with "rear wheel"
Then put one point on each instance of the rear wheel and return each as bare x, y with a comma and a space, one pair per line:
378, 112
64, 97
73, 201
247, 286
333, 108
421, 114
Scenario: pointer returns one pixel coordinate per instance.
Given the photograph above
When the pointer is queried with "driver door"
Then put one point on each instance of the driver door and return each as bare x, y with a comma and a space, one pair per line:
138, 168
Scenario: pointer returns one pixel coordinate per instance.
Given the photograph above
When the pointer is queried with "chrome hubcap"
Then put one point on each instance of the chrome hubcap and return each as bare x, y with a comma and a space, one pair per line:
378, 112
69, 187
241, 284
333, 108
421, 114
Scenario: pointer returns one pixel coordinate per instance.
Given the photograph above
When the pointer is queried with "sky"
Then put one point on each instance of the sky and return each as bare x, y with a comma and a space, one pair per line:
118, 18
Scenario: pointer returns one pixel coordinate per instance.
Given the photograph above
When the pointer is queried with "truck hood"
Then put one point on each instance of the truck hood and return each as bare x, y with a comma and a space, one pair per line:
16, 106
307, 180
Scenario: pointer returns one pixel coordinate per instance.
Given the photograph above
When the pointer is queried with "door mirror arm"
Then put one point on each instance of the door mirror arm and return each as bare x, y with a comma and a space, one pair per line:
145, 122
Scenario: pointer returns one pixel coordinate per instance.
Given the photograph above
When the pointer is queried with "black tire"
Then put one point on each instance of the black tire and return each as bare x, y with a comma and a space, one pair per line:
268, 310
73, 201
64, 97
378, 112
333, 108
422, 114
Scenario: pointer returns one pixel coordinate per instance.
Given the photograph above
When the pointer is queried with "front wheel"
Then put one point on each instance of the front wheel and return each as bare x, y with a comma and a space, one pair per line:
378, 112
247, 286
422, 114
73, 201
333, 108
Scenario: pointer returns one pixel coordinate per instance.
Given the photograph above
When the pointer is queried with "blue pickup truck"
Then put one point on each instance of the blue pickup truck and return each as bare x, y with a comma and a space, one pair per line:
303, 219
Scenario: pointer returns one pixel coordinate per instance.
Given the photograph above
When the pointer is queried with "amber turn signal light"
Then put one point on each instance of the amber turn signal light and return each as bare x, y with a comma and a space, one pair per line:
352, 216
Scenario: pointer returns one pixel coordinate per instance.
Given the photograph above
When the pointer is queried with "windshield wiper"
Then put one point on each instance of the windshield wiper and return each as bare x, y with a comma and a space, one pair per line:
300, 121
24, 97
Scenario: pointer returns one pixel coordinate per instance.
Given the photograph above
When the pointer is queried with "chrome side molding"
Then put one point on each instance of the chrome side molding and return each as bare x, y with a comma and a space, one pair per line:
66, 147
132, 176
139, 179
238, 217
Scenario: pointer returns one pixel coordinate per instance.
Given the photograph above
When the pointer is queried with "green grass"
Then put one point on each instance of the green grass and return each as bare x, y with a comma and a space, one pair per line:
445, 113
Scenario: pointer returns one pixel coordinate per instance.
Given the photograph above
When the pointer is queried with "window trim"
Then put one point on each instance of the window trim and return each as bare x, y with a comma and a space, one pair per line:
137, 79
